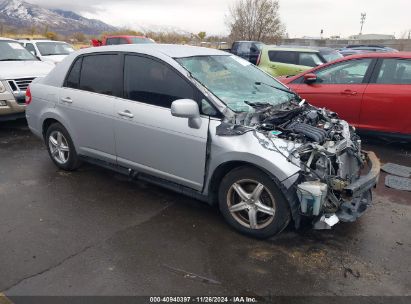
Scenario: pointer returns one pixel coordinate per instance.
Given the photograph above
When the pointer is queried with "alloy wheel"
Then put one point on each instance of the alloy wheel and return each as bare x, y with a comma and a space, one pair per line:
251, 204
59, 148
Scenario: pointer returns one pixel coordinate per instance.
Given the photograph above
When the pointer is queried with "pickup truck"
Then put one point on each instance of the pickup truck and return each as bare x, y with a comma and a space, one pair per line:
248, 50
121, 39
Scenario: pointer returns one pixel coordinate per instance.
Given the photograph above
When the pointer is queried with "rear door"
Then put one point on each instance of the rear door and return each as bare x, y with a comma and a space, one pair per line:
387, 99
148, 138
339, 87
87, 103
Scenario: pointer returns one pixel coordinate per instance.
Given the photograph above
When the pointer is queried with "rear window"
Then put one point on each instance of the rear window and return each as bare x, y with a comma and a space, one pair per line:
283, 56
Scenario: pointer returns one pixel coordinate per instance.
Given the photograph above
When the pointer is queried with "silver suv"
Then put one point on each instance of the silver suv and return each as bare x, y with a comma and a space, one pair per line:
207, 124
18, 68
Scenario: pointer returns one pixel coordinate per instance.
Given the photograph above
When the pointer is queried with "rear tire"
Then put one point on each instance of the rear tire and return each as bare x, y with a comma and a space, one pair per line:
252, 203
61, 148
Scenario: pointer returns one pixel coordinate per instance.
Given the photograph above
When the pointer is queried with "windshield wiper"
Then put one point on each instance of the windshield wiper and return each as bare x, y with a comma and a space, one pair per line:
298, 98
13, 59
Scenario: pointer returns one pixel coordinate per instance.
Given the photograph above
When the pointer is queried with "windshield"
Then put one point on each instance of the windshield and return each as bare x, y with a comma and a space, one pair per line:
331, 55
54, 48
13, 51
235, 81
137, 40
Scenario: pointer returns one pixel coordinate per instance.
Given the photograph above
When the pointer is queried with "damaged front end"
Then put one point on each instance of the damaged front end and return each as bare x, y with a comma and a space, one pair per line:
336, 176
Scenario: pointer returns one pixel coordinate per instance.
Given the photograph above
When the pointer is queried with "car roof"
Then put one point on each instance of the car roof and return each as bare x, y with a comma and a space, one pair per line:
125, 36
289, 49
380, 55
169, 50
253, 41
8, 39
315, 48
39, 40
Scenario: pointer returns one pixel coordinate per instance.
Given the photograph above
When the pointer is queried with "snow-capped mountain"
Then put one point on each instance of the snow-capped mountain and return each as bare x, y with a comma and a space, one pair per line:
18, 13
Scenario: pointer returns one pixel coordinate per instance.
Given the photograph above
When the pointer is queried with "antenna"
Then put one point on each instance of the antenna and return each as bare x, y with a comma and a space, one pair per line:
363, 16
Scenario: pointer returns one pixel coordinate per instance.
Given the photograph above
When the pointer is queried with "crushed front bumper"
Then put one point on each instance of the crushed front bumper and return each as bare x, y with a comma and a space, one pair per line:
368, 181
358, 195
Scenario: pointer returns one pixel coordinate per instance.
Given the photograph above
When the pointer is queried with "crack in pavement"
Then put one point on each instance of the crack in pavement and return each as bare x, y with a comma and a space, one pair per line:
49, 268
82, 251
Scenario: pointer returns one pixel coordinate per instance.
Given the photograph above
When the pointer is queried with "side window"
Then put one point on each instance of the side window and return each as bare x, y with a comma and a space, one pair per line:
149, 81
244, 48
283, 57
395, 71
234, 48
122, 41
309, 59
101, 74
30, 48
73, 78
112, 41
347, 72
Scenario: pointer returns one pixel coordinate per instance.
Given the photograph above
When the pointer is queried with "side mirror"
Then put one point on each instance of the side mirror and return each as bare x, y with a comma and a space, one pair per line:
310, 78
187, 108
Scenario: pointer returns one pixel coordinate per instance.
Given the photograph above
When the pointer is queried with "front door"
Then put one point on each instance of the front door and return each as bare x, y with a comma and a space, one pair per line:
339, 87
148, 138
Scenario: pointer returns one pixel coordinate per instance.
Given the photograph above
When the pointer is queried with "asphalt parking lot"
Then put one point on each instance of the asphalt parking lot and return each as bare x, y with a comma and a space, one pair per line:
94, 232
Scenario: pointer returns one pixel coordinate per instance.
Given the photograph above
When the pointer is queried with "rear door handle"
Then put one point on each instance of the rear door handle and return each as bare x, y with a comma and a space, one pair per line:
349, 92
67, 99
126, 113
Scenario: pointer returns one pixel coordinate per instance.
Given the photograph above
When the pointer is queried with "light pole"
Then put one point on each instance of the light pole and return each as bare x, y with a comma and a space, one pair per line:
363, 16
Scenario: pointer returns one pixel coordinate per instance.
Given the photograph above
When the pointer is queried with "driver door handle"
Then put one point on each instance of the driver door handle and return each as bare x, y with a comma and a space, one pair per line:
126, 113
349, 92
67, 100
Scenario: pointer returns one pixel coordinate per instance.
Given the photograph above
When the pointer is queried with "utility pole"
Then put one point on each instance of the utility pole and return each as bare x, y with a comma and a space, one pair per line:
363, 16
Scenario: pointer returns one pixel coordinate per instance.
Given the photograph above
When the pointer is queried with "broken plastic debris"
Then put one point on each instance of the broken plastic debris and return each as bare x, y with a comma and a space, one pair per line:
332, 220
399, 183
326, 222
398, 170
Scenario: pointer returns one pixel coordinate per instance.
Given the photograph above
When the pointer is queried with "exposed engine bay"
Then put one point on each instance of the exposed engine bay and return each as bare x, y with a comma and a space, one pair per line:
327, 150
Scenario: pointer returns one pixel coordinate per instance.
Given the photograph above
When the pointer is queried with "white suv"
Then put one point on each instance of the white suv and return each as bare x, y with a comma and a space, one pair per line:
48, 50
18, 68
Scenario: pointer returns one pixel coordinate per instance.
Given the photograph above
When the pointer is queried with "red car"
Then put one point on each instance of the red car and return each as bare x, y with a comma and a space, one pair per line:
371, 91
121, 39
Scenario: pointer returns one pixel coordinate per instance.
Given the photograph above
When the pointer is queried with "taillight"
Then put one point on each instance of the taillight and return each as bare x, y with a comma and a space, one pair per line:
258, 59
28, 96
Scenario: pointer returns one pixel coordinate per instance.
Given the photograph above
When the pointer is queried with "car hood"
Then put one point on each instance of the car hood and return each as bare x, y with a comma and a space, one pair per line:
23, 69
53, 58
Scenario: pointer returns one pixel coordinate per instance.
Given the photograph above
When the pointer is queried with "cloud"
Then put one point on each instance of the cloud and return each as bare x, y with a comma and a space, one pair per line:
301, 17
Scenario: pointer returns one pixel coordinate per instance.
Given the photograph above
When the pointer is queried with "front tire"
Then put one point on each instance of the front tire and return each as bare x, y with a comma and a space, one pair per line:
61, 148
252, 203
